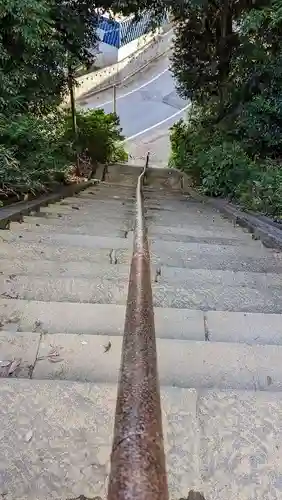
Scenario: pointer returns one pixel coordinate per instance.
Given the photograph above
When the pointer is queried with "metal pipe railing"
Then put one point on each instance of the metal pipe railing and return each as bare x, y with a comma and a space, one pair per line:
138, 469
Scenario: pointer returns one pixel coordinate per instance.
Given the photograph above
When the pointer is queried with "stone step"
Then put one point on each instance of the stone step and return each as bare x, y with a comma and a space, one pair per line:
75, 224
152, 212
229, 232
79, 217
177, 247
184, 219
112, 187
108, 319
59, 289
163, 275
222, 366
193, 278
57, 269
203, 431
207, 296
69, 240
122, 179
99, 319
250, 328
40, 251
110, 228
201, 237
103, 228
33, 221
189, 214
96, 358
203, 256
96, 207
199, 257
167, 278
102, 202
87, 210
99, 290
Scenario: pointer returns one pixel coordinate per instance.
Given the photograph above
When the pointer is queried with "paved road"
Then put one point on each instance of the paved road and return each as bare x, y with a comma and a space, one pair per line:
147, 106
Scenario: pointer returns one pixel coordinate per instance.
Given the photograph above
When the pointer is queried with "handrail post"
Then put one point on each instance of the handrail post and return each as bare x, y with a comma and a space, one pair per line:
147, 161
138, 469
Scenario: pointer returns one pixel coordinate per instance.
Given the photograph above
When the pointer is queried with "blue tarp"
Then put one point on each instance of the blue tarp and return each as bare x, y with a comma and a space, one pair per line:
119, 33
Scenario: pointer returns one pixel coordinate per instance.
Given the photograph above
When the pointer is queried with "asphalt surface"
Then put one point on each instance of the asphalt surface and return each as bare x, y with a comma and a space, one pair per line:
147, 106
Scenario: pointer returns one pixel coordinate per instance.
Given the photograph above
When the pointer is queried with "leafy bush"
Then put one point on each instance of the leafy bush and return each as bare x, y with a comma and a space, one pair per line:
236, 158
188, 141
9, 168
225, 167
263, 193
34, 151
98, 136
38, 151
231, 145
213, 163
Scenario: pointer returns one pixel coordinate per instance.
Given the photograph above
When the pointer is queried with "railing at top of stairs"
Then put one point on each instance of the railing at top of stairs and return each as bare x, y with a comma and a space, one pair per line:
138, 470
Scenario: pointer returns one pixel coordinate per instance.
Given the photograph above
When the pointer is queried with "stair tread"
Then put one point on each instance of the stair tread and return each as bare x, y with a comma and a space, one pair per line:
108, 319
200, 364
202, 295
215, 438
217, 302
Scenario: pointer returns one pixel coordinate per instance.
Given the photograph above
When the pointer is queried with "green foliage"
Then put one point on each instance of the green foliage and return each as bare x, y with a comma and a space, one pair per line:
231, 144
219, 166
37, 151
207, 39
32, 60
264, 192
98, 136
33, 151
42, 42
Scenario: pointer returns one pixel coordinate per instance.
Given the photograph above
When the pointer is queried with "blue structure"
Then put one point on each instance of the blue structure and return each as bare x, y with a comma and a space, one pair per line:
119, 33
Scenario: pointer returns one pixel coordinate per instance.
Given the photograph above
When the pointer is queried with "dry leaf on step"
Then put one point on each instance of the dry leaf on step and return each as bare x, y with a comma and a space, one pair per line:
28, 436
55, 360
4, 364
15, 364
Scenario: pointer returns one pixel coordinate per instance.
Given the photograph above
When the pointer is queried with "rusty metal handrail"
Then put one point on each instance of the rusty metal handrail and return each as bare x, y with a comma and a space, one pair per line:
138, 469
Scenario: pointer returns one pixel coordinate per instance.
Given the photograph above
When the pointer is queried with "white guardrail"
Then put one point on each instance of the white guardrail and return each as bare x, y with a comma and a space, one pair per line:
105, 78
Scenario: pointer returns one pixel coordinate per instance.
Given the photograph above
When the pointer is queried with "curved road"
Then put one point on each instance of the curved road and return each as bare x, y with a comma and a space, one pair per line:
147, 106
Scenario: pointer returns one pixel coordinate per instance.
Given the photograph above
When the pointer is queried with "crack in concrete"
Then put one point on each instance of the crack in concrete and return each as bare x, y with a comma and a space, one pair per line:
207, 335
82, 497
157, 274
113, 257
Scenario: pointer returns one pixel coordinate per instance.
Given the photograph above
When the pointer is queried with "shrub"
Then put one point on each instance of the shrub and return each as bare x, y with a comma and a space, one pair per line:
225, 167
217, 165
263, 193
98, 136
188, 141
36, 151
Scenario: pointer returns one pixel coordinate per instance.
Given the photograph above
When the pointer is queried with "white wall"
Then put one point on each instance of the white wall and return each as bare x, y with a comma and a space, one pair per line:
134, 45
106, 55
118, 72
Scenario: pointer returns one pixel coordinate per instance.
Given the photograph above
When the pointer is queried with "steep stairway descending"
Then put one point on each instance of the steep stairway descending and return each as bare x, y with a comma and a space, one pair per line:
217, 297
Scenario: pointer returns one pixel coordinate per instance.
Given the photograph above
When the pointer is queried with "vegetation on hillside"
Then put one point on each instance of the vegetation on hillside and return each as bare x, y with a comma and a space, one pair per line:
41, 44
228, 61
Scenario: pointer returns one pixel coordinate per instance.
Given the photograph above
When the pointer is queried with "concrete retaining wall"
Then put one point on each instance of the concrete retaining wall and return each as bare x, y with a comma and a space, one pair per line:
116, 73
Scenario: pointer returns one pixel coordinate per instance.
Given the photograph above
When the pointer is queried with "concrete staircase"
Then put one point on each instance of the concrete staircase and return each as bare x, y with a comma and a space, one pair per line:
217, 297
